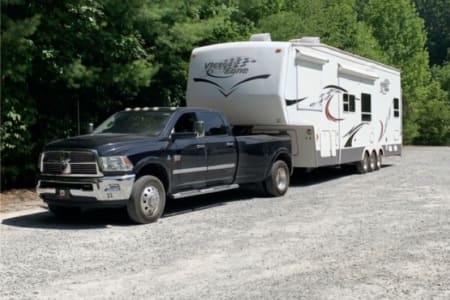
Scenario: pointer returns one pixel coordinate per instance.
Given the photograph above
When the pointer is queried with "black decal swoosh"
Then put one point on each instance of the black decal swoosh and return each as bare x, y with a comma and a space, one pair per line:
332, 86
208, 81
352, 132
234, 87
294, 101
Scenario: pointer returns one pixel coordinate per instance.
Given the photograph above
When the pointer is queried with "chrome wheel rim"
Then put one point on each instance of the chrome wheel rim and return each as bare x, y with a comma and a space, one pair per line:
281, 179
150, 200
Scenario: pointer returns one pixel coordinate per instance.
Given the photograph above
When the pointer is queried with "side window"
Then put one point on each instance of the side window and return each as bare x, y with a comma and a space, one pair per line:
349, 102
185, 123
396, 108
214, 124
366, 107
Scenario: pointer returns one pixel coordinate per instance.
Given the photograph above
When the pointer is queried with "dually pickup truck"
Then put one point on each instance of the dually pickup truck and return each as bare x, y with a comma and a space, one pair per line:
139, 157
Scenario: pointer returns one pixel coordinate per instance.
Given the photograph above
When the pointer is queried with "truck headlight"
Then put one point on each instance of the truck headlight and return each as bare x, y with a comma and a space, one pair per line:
115, 163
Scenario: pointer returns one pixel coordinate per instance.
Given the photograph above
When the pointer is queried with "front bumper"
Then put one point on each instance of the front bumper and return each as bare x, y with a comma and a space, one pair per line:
102, 191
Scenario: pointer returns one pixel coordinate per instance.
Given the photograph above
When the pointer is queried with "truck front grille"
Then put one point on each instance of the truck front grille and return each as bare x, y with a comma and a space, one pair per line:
70, 163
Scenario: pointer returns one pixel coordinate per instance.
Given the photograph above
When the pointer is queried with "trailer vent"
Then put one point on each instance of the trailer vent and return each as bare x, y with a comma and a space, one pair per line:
307, 40
261, 37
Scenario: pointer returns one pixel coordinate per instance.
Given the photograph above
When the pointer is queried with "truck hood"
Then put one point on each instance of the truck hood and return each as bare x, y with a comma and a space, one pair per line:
107, 144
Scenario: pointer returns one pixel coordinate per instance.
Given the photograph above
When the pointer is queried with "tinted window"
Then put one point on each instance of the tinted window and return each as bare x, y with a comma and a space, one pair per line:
366, 107
396, 108
135, 122
186, 123
349, 102
214, 125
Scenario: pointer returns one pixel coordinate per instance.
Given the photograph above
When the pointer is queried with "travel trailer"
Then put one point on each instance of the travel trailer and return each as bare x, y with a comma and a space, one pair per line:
337, 107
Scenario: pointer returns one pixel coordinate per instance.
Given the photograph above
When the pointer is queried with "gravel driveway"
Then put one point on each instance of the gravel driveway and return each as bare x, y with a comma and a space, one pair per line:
335, 235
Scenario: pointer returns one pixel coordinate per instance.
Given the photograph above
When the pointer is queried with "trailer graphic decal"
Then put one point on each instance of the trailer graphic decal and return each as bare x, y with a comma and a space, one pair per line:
290, 102
351, 134
226, 69
227, 93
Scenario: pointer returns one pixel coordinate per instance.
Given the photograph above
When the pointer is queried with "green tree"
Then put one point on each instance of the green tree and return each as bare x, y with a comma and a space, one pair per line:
335, 22
436, 14
401, 35
18, 110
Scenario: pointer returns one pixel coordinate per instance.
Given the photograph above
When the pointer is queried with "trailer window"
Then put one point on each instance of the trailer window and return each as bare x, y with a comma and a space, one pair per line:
349, 102
396, 108
366, 107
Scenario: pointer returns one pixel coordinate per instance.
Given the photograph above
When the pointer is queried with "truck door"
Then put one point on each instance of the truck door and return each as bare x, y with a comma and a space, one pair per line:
188, 155
221, 150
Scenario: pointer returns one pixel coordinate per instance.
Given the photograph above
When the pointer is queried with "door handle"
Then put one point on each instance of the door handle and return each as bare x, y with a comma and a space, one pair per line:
200, 146
230, 144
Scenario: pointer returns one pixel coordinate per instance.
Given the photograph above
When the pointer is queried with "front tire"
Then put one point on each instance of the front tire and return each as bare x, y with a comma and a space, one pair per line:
147, 201
277, 183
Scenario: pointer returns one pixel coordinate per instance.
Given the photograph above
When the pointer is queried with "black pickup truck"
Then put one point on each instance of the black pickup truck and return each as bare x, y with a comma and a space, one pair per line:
139, 156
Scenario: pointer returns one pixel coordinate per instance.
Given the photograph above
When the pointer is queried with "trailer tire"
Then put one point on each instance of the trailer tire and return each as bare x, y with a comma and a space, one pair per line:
363, 165
64, 212
373, 160
277, 183
379, 160
147, 201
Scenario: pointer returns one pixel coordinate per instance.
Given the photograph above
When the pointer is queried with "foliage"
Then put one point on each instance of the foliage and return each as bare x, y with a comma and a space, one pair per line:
67, 63
401, 35
18, 110
436, 14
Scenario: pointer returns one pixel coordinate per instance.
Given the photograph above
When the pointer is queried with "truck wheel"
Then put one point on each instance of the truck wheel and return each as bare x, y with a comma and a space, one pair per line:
147, 200
277, 183
363, 165
63, 212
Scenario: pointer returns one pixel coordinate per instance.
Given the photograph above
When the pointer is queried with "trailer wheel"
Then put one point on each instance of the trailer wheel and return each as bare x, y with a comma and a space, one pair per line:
363, 165
147, 201
277, 183
379, 160
373, 161
63, 212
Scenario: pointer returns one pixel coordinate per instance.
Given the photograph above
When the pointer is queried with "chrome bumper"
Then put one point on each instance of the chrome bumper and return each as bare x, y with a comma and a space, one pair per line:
110, 188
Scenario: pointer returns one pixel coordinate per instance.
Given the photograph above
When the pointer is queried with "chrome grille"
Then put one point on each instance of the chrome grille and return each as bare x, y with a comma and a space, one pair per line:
70, 163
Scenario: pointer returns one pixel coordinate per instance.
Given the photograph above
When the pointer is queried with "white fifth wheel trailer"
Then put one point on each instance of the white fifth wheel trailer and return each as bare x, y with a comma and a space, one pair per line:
338, 107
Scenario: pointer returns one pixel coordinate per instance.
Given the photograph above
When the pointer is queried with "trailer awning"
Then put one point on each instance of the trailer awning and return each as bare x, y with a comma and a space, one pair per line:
353, 71
310, 56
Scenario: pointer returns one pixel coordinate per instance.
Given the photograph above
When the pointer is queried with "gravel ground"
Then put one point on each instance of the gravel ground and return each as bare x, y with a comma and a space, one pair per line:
335, 235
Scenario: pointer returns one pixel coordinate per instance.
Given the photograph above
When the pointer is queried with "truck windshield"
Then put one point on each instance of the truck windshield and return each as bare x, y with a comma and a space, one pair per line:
135, 122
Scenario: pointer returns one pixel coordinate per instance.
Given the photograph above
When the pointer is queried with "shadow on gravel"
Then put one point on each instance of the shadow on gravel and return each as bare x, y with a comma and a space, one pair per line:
102, 218
302, 177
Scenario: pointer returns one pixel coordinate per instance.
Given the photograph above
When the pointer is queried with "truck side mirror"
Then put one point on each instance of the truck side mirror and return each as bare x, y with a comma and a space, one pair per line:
199, 127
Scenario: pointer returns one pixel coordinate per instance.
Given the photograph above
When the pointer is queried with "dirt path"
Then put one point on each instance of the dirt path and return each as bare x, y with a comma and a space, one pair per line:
20, 199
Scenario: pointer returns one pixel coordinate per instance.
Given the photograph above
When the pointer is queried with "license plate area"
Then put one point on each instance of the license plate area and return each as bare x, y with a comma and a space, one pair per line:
62, 194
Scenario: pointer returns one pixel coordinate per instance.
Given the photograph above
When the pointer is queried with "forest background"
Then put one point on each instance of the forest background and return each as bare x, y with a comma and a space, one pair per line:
61, 59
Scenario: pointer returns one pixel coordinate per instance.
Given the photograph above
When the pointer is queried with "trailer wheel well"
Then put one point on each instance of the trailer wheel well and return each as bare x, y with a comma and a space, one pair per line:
157, 171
